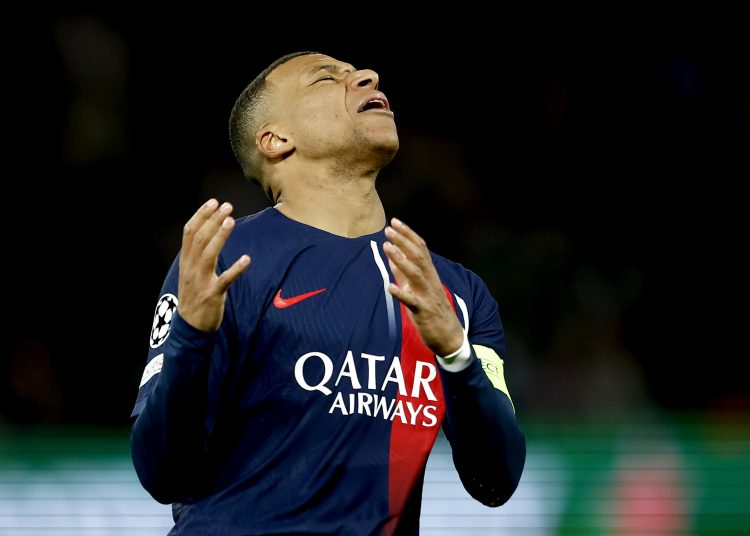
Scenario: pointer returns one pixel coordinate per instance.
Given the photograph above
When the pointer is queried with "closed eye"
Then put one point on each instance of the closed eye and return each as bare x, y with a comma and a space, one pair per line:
324, 78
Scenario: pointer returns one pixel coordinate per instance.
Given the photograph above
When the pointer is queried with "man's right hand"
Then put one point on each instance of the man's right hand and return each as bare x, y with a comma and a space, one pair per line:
201, 293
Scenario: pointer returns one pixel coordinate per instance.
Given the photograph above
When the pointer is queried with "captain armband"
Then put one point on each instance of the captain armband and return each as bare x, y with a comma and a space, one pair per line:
492, 365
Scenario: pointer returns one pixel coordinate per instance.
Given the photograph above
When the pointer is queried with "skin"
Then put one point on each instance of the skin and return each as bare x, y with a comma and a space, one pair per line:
321, 161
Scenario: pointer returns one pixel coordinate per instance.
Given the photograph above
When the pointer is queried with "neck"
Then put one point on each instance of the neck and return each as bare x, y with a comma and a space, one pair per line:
342, 204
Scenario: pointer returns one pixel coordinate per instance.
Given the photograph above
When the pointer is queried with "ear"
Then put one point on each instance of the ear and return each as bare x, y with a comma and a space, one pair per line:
273, 144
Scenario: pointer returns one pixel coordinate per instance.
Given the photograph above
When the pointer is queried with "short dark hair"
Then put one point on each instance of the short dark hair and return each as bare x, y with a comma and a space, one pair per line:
246, 116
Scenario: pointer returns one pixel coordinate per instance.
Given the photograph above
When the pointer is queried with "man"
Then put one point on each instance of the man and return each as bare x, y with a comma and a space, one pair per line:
302, 393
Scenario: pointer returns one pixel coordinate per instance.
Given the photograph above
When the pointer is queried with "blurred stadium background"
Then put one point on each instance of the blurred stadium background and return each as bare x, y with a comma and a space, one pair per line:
594, 186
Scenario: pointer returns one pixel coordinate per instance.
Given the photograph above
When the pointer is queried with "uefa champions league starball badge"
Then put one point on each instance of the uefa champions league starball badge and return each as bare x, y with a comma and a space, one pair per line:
165, 309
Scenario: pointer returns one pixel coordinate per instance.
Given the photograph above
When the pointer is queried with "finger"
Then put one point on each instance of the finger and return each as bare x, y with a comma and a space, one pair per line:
210, 254
404, 296
411, 272
230, 275
403, 289
208, 230
195, 222
413, 244
411, 250
398, 275
401, 227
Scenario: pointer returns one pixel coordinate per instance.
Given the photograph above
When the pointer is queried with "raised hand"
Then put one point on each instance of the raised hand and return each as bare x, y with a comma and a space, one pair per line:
419, 288
201, 293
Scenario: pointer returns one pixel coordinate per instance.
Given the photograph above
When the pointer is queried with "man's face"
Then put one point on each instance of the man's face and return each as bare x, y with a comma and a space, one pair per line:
329, 108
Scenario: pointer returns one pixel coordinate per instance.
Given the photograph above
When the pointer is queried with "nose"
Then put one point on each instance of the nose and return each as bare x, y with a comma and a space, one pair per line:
364, 78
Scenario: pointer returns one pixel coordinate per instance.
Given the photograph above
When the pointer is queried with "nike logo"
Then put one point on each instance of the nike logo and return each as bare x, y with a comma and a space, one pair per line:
283, 303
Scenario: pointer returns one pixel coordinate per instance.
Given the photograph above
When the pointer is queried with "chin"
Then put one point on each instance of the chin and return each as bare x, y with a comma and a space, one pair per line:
382, 144
386, 149
386, 138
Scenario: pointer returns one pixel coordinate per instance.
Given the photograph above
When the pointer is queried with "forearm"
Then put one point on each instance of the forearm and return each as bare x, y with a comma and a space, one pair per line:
489, 449
170, 432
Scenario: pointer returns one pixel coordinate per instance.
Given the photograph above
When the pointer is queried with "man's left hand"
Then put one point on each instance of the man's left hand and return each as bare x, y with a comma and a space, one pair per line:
419, 288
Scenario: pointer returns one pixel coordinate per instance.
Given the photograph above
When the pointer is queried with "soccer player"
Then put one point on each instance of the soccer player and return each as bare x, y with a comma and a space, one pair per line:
301, 393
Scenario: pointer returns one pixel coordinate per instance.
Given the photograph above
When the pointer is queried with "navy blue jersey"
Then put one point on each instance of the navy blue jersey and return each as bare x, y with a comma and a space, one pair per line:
313, 409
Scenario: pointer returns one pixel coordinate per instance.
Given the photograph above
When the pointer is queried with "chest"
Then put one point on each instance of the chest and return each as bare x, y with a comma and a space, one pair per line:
330, 299
332, 335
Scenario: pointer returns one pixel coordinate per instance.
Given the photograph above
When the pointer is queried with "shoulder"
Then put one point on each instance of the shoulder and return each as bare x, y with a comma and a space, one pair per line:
271, 240
260, 221
475, 305
466, 286
261, 233
455, 275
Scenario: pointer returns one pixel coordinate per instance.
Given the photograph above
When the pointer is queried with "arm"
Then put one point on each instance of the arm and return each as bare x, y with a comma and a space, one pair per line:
489, 449
168, 439
172, 426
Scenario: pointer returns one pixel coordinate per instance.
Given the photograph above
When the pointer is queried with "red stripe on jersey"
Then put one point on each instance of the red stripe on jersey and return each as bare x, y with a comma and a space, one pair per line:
411, 444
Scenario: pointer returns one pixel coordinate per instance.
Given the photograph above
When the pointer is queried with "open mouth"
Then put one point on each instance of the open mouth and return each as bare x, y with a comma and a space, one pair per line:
374, 102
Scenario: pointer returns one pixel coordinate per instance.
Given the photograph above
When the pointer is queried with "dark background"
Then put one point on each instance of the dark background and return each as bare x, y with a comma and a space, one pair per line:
592, 180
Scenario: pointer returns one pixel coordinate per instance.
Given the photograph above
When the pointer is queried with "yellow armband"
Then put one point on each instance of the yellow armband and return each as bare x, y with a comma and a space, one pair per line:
492, 365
